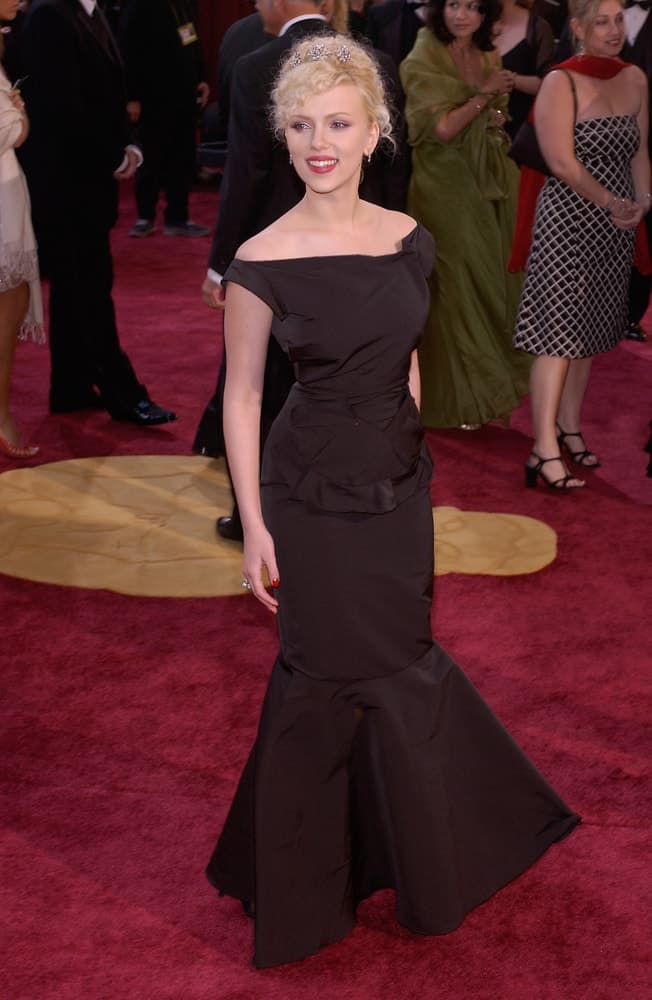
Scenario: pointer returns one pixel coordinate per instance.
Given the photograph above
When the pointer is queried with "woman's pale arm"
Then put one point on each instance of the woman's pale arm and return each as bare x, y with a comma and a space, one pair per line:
529, 84
247, 324
414, 379
554, 122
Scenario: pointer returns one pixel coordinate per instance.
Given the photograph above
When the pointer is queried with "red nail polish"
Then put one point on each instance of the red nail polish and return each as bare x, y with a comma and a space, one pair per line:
276, 583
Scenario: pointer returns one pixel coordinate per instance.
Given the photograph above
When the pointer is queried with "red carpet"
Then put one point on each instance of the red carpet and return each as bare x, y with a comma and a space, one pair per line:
126, 720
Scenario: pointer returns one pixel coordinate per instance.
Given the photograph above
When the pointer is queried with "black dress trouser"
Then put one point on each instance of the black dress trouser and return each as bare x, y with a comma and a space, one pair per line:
168, 144
85, 349
640, 285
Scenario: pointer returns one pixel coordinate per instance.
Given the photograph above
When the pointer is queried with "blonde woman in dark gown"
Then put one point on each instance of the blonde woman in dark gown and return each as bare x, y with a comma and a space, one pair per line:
377, 764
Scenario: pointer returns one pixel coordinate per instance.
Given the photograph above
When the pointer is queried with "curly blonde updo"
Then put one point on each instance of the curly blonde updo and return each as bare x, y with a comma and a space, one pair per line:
321, 62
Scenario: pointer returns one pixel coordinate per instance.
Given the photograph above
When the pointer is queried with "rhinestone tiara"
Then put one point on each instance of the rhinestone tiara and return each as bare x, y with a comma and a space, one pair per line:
319, 50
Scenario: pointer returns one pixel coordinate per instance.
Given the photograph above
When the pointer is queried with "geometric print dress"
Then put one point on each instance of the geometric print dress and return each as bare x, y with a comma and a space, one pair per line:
575, 298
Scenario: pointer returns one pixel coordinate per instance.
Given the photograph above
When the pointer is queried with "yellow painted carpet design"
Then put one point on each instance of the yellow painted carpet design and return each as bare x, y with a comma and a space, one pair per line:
145, 525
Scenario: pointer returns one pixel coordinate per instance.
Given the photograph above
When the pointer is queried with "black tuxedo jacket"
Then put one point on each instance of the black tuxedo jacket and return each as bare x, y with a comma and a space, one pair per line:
640, 53
75, 99
244, 36
259, 184
392, 28
162, 73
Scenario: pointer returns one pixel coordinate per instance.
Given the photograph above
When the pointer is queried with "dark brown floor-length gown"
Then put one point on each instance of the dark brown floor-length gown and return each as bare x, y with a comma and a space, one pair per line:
377, 764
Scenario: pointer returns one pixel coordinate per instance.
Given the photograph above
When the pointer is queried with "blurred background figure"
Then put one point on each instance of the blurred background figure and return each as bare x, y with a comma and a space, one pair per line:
592, 122
20, 290
243, 36
638, 49
527, 48
392, 26
76, 151
555, 12
166, 92
464, 189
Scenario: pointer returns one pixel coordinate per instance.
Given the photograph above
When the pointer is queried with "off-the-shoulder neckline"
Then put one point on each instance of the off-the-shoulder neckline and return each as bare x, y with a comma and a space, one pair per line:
336, 256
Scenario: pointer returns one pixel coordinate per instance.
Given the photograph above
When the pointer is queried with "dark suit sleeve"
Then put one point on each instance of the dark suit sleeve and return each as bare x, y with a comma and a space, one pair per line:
386, 178
134, 30
246, 175
372, 26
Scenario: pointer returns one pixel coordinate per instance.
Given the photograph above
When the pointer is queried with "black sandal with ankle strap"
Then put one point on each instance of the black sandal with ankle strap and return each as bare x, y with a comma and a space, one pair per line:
579, 457
561, 485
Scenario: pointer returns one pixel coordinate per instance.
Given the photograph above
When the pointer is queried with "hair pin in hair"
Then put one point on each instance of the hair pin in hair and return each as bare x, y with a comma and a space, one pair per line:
316, 52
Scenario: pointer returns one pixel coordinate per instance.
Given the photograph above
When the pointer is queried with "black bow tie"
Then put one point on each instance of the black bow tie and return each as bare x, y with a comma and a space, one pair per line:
643, 4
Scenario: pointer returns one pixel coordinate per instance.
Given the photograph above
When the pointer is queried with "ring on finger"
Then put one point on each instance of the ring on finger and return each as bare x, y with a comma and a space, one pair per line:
245, 584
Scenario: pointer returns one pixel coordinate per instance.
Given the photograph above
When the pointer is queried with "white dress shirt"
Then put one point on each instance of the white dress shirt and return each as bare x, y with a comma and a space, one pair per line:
635, 18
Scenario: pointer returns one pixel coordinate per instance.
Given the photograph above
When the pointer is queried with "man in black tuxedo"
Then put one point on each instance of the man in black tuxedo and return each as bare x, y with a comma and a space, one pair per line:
392, 26
638, 50
76, 151
165, 91
259, 186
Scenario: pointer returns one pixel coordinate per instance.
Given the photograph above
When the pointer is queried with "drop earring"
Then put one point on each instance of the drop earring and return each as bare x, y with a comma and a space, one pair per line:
290, 159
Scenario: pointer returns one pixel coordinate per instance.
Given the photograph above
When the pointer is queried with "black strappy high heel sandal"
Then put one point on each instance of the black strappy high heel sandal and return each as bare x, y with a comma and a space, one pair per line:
533, 472
579, 457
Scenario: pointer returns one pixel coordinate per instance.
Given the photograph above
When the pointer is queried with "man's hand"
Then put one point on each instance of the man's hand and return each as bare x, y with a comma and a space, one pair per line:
129, 166
212, 294
203, 90
134, 111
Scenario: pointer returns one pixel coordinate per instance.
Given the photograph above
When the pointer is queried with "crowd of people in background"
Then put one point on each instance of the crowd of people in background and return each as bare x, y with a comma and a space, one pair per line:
462, 78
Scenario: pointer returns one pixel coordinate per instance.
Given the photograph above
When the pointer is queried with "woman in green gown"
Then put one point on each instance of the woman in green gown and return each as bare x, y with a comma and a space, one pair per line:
464, 189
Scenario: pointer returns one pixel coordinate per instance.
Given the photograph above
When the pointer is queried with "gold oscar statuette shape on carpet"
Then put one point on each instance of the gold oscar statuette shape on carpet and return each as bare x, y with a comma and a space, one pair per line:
145, 525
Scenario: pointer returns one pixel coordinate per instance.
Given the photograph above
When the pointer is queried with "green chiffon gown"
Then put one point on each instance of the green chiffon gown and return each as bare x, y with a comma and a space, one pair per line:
464, 192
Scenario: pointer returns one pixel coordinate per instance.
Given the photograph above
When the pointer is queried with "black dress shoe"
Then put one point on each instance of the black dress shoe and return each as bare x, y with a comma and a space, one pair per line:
88, 399
145, 413
230, 527
635, 332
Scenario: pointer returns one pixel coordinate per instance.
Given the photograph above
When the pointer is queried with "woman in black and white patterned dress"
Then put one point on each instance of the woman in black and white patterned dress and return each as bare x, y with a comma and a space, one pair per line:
592, 122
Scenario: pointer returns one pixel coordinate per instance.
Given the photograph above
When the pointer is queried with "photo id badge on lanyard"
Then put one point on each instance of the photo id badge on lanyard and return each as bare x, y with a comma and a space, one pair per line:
187, 33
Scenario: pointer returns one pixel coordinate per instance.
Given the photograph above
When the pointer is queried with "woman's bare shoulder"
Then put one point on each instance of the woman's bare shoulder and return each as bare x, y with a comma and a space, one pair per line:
395, 225
268, 244
635, 77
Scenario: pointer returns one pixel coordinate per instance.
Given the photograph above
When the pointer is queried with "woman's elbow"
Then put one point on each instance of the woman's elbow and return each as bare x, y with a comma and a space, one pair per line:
564, 168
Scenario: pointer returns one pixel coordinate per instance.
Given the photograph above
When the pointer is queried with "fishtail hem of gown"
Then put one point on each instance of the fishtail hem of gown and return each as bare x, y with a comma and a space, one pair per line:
404, 782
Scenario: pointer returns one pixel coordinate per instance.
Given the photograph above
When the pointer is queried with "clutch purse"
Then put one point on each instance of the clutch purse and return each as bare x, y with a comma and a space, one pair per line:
525, 149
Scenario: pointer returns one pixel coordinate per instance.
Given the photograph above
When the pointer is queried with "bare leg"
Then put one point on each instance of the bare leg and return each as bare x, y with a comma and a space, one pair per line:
570, 407
13, 306
547, 379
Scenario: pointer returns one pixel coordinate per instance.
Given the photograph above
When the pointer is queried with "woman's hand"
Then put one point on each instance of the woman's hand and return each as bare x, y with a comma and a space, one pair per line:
501, 81
625, 214
17, 100
134, 111
497, 118
258, 553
